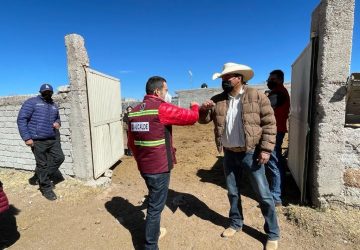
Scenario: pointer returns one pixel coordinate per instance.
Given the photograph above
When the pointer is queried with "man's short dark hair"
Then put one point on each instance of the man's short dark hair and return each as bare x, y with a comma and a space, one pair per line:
279, 74
154, 82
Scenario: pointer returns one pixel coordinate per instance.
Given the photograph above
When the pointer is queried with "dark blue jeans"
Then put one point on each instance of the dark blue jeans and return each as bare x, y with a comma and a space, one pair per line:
237, 164
275, 169
158, 186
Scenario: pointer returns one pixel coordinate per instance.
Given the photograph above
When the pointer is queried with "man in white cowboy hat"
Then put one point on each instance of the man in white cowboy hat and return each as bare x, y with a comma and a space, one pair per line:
245, 129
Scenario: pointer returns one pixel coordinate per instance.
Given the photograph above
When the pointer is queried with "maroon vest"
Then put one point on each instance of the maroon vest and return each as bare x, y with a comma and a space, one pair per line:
152, 139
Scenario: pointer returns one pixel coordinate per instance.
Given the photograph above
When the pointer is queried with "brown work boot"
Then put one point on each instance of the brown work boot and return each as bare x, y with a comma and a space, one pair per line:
228, 232
271, 245
162, 232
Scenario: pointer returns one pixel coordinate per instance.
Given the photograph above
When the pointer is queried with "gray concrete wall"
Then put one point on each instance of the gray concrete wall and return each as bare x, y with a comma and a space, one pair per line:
77, 60
197, 95
351, 162
332, 23
13, 151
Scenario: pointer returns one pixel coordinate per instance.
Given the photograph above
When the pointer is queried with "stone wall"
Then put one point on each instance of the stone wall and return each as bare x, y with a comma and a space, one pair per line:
13, 151
77, 60
198, 95
351, 161
336, 148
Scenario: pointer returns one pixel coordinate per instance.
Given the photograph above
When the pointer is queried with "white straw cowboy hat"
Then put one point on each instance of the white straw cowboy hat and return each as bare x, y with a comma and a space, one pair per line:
234, 68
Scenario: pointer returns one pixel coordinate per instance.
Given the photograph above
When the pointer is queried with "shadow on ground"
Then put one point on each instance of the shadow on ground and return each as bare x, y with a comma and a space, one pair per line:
191, 205
130, 216
133, 219
8, 227
215, 175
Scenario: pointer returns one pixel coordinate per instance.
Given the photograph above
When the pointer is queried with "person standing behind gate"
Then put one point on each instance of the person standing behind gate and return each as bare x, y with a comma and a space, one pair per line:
245, 129
126, 129
280, 102
150, 140
39, 123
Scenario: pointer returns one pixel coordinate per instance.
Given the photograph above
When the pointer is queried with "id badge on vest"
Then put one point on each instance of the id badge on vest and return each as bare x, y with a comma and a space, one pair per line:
140, 127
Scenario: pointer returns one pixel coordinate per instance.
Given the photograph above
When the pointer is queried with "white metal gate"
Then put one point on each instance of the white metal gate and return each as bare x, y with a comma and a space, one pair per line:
299, 123
105, 120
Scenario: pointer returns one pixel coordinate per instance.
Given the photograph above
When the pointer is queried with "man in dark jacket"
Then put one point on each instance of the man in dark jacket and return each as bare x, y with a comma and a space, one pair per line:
280, 102
150, 140
39, 123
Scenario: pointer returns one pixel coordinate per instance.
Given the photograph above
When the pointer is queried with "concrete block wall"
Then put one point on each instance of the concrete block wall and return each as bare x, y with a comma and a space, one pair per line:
332, 23
197, 95
351, 161
77, 60
13, 151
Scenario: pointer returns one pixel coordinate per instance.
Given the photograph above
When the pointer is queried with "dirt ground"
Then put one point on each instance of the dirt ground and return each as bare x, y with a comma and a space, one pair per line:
195, 214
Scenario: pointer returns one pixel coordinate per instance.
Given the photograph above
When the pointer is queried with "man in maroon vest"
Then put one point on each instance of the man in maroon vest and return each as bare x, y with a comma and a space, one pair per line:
280, 102
4, 202
150, 140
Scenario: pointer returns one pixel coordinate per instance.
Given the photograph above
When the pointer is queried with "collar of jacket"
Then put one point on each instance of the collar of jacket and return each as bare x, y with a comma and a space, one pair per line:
243, 90
148, 97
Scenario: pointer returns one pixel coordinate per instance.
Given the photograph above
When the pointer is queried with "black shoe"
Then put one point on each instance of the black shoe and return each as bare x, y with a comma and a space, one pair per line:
56, 178
34, 180
49, 194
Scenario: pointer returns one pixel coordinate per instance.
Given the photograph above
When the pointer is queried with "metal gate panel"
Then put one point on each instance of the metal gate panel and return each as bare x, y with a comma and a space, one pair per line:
102, 155
105, 120
298, 121
117, 145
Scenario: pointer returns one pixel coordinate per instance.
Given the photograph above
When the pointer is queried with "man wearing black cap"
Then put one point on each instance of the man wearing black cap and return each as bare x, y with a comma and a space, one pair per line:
39, 122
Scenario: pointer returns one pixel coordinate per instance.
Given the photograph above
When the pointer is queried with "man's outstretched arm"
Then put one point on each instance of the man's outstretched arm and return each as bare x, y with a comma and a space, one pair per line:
170, 114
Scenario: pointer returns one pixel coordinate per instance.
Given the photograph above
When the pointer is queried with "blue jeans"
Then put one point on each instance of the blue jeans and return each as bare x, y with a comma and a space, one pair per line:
158, 186
237, 164
275, 169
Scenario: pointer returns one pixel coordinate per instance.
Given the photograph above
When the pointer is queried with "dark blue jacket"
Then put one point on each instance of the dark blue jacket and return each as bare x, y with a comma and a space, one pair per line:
36, 118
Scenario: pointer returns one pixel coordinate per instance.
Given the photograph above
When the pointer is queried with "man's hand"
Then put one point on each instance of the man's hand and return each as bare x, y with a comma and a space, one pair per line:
208, 104
29, 143
56, 125
263, 157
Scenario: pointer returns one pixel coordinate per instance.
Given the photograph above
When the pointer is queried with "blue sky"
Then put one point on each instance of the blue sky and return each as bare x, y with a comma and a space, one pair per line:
135, 39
